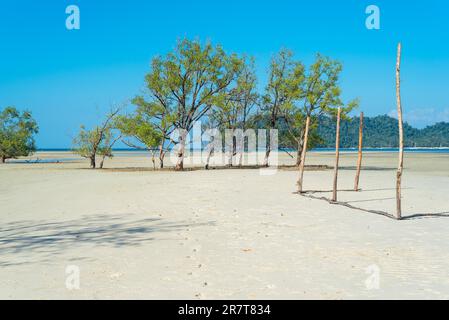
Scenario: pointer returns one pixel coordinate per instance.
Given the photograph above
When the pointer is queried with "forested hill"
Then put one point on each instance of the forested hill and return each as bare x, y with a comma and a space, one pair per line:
382, 131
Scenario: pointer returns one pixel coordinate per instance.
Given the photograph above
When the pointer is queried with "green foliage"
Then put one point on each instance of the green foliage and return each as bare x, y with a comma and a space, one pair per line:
233, 107
140, 127
187, 82
288, 134
98, 141
16, 133
321, 93
93, 142
291, 135
294, 93
284, 87
183, 86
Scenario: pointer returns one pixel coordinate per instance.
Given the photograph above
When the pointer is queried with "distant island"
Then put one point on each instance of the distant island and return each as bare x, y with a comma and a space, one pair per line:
381, 132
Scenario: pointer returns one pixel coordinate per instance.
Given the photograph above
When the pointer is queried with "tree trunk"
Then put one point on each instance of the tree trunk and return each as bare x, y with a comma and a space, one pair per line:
303, 155
232, 150
299, 148
298, 155
209, 155
161, 161
161, 156
182, 145
92, 162
2, 159
337, 157
102, 162
267, 156
359, 159
230, 156
401, 135
180, 163
153, 160
272, 125
266, 162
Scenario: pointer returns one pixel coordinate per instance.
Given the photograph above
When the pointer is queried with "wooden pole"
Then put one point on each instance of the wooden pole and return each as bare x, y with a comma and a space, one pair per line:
359, 159
303, 155
401, 135
337, 156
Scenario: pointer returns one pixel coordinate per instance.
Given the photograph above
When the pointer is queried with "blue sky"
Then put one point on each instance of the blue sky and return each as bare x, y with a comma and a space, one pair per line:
68, 78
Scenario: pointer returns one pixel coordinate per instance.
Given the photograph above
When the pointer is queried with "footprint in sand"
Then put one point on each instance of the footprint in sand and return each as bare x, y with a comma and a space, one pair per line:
115, 275
199, 266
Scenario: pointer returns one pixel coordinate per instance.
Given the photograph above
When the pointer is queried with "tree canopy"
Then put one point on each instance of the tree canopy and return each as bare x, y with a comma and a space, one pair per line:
17, 130
187, 82
97, 141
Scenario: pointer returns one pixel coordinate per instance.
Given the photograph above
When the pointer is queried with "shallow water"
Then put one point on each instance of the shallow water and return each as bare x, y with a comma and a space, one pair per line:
46, 160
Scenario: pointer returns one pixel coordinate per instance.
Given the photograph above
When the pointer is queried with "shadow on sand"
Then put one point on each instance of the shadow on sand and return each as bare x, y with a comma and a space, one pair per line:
367, 168
350, 190
50, 238
413, 216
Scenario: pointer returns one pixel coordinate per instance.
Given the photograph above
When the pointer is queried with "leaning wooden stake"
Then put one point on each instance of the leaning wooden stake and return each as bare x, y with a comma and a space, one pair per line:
337, 156
303, 155
359, 159
401, 135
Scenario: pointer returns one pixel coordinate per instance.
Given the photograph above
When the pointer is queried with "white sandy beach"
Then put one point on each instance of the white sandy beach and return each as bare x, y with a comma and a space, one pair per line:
222, 234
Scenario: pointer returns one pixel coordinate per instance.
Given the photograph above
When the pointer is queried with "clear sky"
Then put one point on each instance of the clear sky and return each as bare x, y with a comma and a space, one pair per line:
67, 78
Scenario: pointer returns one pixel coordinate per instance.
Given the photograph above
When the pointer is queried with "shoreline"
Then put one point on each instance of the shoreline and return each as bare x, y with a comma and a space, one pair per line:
284, 151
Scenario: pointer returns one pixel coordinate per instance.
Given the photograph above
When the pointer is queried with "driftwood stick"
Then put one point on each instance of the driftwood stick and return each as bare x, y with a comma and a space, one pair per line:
359, 158
401, 135
337, 156
303, 155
